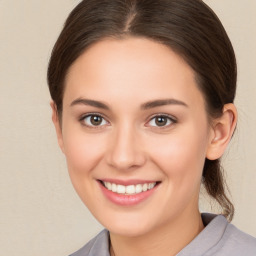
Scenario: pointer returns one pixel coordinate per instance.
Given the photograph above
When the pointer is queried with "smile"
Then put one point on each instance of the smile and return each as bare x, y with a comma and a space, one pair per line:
128, 192
130, 189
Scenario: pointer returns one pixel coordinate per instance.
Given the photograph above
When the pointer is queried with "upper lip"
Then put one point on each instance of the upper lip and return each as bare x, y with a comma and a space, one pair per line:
128, 182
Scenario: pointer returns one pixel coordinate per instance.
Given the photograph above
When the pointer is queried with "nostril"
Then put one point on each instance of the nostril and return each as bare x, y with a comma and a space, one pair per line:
124, 151
124, 160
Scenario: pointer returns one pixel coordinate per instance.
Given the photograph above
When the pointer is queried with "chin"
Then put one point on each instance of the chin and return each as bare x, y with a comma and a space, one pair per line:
128, 227
128, 230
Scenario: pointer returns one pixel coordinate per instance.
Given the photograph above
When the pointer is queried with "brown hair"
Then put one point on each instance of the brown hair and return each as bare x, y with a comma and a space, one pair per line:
189, 27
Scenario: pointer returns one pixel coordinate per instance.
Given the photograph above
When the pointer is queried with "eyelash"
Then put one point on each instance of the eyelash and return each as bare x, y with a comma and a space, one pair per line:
171, 119
82, 120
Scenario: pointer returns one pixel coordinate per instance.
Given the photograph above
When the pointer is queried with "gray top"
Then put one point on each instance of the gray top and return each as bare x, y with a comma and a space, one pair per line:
219, 238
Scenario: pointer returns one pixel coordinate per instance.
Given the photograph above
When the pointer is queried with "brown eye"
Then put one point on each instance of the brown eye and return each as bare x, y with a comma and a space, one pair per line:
161, 121
94, 120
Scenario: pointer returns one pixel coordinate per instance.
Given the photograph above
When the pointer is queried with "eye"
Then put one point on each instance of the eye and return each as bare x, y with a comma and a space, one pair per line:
93, 120
161, 121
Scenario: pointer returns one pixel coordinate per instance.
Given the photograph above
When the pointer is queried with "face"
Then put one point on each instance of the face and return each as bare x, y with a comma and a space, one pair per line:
135, 134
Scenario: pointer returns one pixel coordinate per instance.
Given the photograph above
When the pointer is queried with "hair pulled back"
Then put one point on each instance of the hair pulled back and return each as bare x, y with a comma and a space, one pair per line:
188, 27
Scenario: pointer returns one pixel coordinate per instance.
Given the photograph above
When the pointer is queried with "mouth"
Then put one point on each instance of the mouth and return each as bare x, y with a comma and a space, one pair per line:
129, 192
131, 189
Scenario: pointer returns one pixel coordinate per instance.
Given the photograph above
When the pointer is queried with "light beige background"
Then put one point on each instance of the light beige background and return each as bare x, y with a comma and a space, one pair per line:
40, 214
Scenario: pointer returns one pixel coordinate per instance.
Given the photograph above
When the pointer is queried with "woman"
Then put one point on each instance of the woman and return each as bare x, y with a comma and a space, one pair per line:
142, 99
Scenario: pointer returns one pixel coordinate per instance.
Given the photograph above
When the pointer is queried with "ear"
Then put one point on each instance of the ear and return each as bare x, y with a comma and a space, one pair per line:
222, 131
57, 124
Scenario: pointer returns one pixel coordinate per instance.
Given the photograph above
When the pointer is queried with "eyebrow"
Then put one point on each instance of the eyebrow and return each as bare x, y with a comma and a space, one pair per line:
163, 102
144, 106
93, 103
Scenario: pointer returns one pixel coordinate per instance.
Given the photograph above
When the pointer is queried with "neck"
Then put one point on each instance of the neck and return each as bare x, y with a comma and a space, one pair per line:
169, 239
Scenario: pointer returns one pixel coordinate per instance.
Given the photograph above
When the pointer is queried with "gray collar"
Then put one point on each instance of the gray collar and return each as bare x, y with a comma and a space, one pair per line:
208, 238
215, 226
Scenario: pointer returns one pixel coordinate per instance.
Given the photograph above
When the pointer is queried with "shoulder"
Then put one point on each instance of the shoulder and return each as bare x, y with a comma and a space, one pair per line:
232, 241
236, 242
99, 245
220, 238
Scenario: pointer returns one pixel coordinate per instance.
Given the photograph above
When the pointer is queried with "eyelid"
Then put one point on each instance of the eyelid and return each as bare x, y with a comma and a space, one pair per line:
82, 117
172, 118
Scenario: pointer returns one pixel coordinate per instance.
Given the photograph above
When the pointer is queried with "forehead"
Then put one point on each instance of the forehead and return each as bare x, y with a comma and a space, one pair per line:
133, 68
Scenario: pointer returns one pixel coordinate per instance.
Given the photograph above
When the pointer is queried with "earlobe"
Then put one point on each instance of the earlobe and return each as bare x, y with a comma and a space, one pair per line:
222, 132
56, 122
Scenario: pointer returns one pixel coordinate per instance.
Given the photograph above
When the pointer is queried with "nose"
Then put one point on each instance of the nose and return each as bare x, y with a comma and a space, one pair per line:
125, 149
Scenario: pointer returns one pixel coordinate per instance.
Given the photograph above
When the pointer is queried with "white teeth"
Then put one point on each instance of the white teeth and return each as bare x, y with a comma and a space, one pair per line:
150, 185
145, 187
138, 188
108, 185
120, 189
114, 187
130, 189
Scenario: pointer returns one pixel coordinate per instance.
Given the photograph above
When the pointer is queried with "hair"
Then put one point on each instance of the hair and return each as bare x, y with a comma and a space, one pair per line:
188, 27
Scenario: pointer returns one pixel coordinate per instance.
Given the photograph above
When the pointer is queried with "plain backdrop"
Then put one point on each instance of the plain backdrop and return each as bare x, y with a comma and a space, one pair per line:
40, 214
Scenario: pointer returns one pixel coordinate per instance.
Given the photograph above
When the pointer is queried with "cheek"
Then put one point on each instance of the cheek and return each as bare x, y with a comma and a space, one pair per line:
82, 151
181, 155
181, 159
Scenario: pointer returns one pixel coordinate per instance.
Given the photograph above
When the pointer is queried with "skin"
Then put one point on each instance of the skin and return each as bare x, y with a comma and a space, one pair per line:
128, 143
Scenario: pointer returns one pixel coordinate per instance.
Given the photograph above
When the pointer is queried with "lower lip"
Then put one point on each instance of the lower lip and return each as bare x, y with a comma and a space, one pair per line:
126, 200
